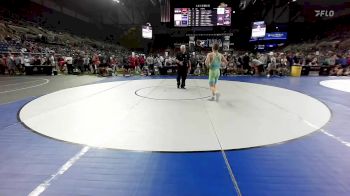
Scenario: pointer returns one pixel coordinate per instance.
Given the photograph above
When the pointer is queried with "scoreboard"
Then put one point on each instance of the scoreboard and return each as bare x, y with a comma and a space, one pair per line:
202, 17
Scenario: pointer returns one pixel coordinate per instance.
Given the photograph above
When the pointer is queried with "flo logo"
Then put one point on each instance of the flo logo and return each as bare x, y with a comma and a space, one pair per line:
324, 13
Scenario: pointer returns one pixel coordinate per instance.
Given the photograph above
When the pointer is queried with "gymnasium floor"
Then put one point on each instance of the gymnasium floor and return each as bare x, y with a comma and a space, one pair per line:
142, 136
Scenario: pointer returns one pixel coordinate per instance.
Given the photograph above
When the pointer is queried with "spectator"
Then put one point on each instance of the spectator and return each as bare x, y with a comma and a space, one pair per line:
2, 65
150, 64
95, 63
61, 63
341, 66
80, 63
86, 60
137, 64
258, 66
19, 60
272, 65
131, 65
69, 63
245, 62
142, 61
290, 59
113, 63
331, 60
11, 64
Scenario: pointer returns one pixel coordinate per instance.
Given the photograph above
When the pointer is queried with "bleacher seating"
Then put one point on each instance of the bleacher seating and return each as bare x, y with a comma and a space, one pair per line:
4, 48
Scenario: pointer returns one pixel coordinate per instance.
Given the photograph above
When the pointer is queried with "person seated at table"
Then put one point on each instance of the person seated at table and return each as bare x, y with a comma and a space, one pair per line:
45, 61
231, 66
237, 66
282, 67
340, 66
344, 66
36, 61
343, 61
103, 70
257, 66
347, 70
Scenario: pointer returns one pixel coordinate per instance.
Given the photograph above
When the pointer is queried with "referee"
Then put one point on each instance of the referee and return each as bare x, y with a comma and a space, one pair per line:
184, 65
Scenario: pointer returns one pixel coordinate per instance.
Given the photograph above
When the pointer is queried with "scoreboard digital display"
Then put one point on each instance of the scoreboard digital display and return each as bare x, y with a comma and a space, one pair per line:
202, 17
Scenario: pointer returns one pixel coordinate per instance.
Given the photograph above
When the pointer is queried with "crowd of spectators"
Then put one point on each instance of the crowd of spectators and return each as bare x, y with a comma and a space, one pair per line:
25, 47
72, 60
109, 63
280, 63
20, 51
269, 63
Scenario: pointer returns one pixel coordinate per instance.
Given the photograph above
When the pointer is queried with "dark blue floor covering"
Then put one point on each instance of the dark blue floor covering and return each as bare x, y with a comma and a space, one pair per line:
313, 165
26, 159
109, 172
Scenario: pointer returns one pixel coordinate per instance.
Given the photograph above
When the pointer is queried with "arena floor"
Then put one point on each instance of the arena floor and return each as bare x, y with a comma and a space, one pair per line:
83, 135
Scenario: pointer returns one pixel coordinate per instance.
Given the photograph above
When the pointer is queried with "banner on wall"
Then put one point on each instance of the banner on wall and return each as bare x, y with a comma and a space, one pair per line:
208, 43
226, 44
276, 36
272, 36
192, 44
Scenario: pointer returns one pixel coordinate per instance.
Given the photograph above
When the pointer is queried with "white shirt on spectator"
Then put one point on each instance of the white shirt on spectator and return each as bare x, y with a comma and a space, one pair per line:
150, 60
69, 60
331, 61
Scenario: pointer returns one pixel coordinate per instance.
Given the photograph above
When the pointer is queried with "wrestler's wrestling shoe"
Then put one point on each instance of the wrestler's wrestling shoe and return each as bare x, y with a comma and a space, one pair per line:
217, 97
212, 98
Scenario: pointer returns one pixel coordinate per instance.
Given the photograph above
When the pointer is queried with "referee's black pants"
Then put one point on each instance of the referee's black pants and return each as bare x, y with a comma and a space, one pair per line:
181, 77
70, 68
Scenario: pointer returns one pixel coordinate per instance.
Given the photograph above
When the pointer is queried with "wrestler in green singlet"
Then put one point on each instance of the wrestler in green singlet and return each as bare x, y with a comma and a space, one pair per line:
214, 61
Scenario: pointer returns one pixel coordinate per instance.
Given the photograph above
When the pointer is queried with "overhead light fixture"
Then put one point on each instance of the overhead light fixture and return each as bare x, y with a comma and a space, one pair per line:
117, 1
153, 3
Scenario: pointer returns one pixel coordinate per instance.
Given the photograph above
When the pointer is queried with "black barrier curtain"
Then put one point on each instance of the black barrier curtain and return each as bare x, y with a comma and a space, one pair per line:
165, 10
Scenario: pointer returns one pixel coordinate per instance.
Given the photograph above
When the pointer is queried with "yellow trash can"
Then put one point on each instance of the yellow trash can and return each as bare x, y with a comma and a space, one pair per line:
296, 70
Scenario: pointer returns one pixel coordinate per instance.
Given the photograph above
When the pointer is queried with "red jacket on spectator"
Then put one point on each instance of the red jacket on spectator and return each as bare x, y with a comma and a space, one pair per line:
142, 60
61, 62
113, 61
132, 61
137, 61
96, 60
4, 60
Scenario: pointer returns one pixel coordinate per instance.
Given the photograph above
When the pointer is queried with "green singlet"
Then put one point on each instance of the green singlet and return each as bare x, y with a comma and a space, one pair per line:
214, 70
